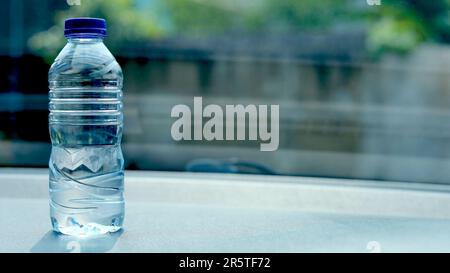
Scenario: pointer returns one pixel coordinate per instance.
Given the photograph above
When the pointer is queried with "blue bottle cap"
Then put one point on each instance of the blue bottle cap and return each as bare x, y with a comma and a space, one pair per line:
85, 27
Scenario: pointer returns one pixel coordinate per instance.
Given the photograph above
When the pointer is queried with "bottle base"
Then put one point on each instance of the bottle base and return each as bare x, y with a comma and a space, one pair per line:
87, 230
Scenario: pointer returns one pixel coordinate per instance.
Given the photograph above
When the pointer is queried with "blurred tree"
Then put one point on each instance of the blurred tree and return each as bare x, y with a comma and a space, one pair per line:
209, 16
294, 15
126, 22
400, 25
200, 17
396, 25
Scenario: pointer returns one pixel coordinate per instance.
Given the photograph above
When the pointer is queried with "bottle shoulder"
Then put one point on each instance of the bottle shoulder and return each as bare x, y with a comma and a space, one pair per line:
89, 64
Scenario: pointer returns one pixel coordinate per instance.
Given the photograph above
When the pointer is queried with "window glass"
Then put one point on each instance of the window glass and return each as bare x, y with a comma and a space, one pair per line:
363, 87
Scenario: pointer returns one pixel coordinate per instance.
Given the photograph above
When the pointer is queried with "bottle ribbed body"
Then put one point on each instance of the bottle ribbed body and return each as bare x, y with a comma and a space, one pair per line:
85, 124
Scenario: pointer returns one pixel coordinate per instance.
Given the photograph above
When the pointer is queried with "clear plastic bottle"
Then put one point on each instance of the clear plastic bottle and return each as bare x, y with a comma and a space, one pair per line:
85, 123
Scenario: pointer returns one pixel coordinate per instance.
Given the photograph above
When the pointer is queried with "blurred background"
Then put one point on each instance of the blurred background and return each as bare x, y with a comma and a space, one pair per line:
364, 91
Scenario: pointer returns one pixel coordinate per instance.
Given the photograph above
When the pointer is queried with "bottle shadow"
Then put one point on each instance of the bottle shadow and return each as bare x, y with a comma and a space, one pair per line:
55, 242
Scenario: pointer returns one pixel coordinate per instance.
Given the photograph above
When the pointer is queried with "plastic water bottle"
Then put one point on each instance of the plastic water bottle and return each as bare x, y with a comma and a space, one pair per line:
85, 123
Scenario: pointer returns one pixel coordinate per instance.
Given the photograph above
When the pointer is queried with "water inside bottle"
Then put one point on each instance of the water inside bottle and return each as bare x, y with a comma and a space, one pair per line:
85, 123
86, 189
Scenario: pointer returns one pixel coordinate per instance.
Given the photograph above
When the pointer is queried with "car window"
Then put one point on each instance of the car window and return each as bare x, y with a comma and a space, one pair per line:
349, 88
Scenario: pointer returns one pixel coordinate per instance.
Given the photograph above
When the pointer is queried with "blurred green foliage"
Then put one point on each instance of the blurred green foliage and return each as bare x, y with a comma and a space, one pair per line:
295, 15
200, 17
212, 16
396, 25
130, 24
400, 25
133, 23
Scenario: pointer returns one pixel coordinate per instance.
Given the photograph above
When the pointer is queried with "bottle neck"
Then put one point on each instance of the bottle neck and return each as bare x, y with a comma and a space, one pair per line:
85, 40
